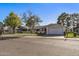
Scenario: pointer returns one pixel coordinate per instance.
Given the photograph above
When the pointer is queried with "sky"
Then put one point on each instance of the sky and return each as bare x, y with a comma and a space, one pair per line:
48, 12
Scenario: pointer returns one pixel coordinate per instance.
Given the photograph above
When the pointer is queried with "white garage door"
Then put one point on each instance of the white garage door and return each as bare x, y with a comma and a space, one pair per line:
55, 31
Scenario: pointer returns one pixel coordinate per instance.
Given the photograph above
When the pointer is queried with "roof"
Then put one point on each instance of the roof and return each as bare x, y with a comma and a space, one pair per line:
38, 27
55, 26
23, 27
50, 25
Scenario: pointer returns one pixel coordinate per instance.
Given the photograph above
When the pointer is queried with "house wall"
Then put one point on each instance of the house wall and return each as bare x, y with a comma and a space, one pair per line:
54, 31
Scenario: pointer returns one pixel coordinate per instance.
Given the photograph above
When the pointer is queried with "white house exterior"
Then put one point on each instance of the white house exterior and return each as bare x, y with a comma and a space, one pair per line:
54, 29
51, 29
7, 29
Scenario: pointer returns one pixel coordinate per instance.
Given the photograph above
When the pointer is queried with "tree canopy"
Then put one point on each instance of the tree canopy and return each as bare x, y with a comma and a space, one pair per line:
31, 20
62, 17
12, 20
1, 24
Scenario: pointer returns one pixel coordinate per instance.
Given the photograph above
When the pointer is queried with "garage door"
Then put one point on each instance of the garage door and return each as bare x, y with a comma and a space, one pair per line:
55, 31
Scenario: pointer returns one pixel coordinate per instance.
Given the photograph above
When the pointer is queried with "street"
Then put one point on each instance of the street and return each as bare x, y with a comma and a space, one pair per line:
38, 46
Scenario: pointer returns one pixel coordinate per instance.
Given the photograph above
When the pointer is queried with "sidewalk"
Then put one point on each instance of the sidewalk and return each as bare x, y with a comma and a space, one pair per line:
46, 37
34, 36
53, 37
57, 37
72, 38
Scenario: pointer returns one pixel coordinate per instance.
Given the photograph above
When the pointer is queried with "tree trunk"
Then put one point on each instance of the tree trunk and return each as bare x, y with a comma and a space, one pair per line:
32, 29
1, 32
14, 30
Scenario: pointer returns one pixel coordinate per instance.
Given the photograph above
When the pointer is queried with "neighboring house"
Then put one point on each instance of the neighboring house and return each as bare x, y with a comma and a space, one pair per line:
7, 29
51, 29
76, 30
40, 29
23, 28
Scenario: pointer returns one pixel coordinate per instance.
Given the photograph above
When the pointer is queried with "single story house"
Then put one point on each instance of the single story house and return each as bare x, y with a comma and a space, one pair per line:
51, 29
23, 28
40, 29
54, 29
7, 29
76, 30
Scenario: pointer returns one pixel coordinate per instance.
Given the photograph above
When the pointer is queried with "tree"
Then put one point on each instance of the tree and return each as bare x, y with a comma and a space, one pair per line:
24, 17
1, 28
61, 18
13, 21
31, 20
1, 24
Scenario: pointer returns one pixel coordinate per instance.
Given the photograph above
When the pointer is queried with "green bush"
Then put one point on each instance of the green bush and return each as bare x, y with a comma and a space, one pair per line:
70, 35
77, 35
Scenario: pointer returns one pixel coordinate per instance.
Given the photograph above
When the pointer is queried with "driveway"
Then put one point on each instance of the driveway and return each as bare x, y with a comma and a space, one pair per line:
38, 46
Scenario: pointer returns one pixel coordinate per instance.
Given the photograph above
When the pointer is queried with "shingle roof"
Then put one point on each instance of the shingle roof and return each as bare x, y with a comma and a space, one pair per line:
55, 25
38, 27
50, 25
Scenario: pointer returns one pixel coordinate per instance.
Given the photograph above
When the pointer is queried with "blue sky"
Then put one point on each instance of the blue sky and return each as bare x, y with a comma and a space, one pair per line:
48, 12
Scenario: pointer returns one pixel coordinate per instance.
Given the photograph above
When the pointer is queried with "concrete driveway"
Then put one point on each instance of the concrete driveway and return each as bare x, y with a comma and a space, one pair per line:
38, 46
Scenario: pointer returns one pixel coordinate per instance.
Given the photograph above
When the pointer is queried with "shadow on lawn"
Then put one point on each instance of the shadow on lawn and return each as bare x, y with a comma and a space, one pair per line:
8, 38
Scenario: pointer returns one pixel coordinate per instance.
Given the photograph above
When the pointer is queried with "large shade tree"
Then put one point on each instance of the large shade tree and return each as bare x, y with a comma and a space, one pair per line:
13, 21
61, 18
31, 21
69, 21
